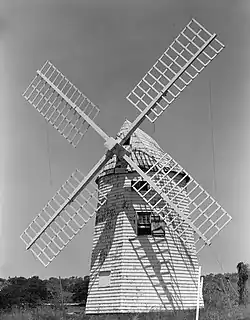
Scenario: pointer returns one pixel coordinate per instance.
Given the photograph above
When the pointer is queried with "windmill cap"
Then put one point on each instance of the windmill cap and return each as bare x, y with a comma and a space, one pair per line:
145, 152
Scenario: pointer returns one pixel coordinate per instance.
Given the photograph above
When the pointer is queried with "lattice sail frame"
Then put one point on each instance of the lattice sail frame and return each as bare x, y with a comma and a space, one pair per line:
50, 232
57, 99
198, 207
71, 113
185, 58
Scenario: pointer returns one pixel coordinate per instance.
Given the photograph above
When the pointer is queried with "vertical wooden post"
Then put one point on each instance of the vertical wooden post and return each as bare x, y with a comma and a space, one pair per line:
198, 294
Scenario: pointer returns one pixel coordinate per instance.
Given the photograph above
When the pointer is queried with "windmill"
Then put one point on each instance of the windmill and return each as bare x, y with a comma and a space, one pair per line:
152, 217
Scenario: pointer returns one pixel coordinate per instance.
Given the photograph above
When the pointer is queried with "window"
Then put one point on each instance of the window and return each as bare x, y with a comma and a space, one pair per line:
150, 224
140, 185
143, 223
104, 279
157, 226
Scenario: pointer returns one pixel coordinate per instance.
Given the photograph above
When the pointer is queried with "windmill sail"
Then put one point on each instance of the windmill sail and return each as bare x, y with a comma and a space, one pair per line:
185, 58
197, 212
61, 103
62, 218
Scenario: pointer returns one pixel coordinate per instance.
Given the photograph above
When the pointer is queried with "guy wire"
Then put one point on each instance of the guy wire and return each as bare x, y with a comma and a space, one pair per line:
212, 138
214, 177
48, 150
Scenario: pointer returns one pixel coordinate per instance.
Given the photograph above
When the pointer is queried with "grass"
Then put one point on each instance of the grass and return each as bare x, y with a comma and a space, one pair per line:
47, 313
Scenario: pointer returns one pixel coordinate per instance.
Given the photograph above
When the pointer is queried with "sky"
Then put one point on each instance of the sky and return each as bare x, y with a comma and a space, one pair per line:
105, 47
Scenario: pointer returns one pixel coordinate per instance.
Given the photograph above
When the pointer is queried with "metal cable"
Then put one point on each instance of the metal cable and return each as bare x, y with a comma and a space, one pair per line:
214, 173
48, 150
212, 138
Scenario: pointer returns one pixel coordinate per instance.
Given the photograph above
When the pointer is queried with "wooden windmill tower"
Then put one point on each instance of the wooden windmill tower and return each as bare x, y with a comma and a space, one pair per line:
152, 217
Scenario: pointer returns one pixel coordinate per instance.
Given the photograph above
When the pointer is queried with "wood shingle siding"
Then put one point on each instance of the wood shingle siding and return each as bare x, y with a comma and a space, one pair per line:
146, 272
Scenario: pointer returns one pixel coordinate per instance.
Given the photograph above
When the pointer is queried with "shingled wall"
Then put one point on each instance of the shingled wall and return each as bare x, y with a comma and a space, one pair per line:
131, 273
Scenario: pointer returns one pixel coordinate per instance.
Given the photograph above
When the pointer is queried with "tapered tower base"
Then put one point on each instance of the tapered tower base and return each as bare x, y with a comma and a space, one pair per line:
138, 263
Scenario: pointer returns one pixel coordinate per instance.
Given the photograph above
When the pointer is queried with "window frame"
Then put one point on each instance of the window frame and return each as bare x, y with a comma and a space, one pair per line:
104, 282
143, 226
148, 227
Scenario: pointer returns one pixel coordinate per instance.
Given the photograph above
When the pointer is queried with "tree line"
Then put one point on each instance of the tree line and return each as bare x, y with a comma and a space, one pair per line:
219, 290
31, 292
226, 290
